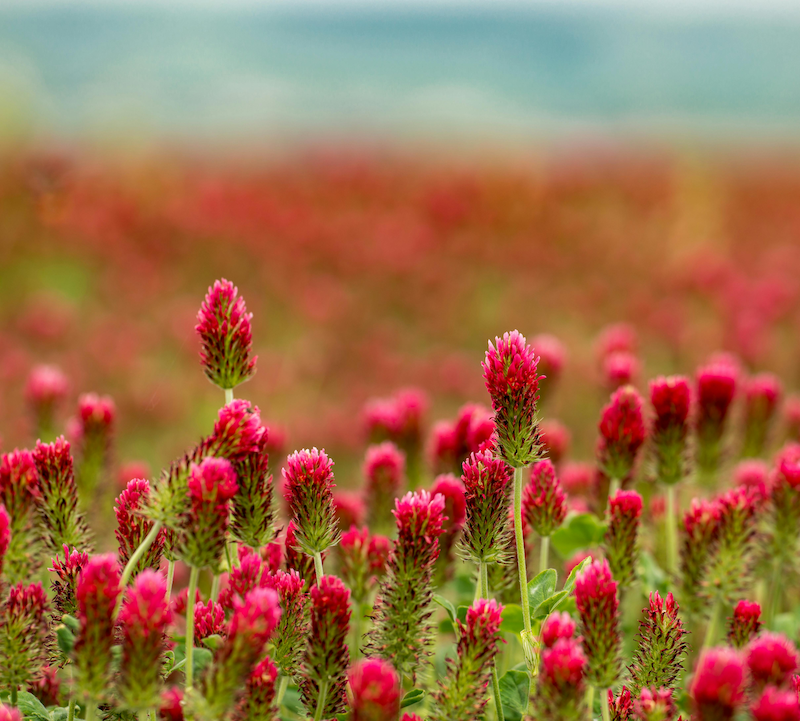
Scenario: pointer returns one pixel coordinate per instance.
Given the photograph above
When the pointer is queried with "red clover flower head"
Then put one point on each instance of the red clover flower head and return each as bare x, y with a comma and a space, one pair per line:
772, 660
46, 387
616, 337
622, 433
776, 704
376, 690
620, 368
671, 399
209, 619
620, 543
420, 521
64, 586
5, 535
557, 625
544, 504
171, 705
238, 431
133, 526
384, 470
398, 419
745, 624
452, 490
226, 336
718, 687
23, 635
701, 525
762, 395
8, 713
621, 705
258, 700
654, 704
309, 485
598, 607
287, 645
253, 507
18, 485
561, 681
552, 356
248, 574
97, 414
716, 388
362, 560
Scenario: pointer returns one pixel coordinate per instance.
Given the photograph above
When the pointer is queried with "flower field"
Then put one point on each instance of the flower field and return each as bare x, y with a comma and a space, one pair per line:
310, 491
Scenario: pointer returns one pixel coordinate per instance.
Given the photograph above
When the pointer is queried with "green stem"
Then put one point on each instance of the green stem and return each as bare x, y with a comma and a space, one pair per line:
91, 706
482, 591
774, 594
283, 683
143, 714
604, 705
14, 692
672, 531
318, 566
523, 573
498, 704
71, 710
194, 574
323, 697
713, 622
358, 618
544, 553
137, 554
590, 701
170, 577
228, 395
215, 587
613, 486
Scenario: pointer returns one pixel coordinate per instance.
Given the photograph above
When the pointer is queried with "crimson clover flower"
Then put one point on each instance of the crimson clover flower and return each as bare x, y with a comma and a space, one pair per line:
745, 623
772, 660
762, 394
620, 542
717, 689
716, 388
561, 683
23, 635
376, 691
622, 433
258, 701
45, 389
362, 561
133, 526
384, 471
253, 507
18, 490
671, 398
776, 704
544, 503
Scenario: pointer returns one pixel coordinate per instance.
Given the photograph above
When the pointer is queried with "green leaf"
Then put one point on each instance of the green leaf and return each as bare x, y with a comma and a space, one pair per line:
542, 586
72, 623
511, 619
66, 640
547, 606
61, 713
569, 584
461, 613
581, 531
447, 606
514, 694
31, 707
213, 641
414, 696
654, 578
201, 657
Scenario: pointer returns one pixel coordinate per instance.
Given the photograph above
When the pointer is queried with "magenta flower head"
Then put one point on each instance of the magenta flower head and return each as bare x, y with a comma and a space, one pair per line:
556, 626
238, 432
204, 524
96, 417
286, 647
258, 701
775, 704
598, 607
253, 508
671, 399
296, 559
398, 419
324, 674
717, 689
65, 585
376, 691
552, 358
620, 706
401, 631
784, 510
716, 388
209, 619
622, 434
252, 623
7, 713
654, 704
658, 659
18, 491
96, 592
362, 561
5, 535
510, 370
46, 387
171, 705
698, 540
57, 499
616, 337
555, 438
144, 619
226, 336
620, 543
452, 441
487, 493
620, 368
772, 660
133, 526
462, 693
762, 395
309, 485
745, 623
384, 470
544, 504
452, 490
23, 635
561, 683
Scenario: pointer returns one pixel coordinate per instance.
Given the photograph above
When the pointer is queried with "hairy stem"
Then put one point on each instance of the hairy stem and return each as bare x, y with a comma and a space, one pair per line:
215, 587
318, 566
590, 701
355, 651
672, 531
194, 574
228, 395
604, 705
483, 592
523, 573
544, 553
170, 577
323, 697
91, 706
138, 553
713, 622
71, 709
613, 486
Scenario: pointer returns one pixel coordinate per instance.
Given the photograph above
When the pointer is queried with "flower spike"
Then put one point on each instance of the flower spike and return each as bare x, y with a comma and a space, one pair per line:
46, 388
561, 684
745, 623
620, 543
376, 691
776, 705
716, 387
258, 701
671, 399
133, 527
762, 395
544, 503
384, 470
18, 491
717, 689
23, 635
286, 648
622, 433
772, 659
253, 508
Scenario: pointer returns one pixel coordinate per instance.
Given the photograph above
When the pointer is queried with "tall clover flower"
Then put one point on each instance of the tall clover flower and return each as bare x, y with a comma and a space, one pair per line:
762, 394
57, 499
744, 624
18, 491
544, 505
552, 358
598, 607
143, 620
402, 631
716, 387
776, 705
226, 336
324, 673
5, 536
654, 704
510, 372
133, 526
376, 691
23, 636
96, 418
309, 488
46, 388
286, 648
620, 543
717, 690
96, 592
772, 660
782, 536
65, 585
8, 713
658, 659
462, 692
561, 684
452, 490
671, 399
384, 470
699, 540
622, 433
252, 623
258, 701
253, 506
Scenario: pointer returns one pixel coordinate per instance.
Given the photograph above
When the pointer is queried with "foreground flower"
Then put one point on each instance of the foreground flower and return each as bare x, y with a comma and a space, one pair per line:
18, 491
718, 686
133, 526
772, 660
462, 693
253, 508
658, 660
226, 335
560, 685
402, 632
776, 705
46, 387
384, 470
745, 623
598, 607
716, 387
286, 647
23, 635
258, 701
324, 673
620, 542
654, 704
376, 691
144, 619
622, 433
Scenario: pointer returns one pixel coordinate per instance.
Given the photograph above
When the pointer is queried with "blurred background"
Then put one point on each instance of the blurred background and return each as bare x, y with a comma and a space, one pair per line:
390, 185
